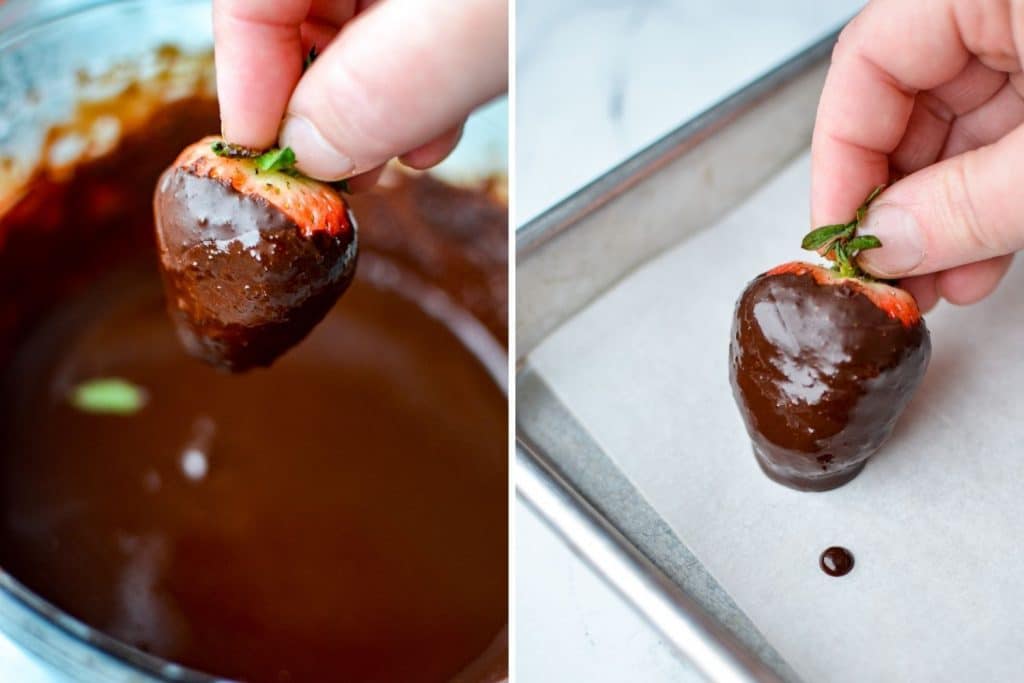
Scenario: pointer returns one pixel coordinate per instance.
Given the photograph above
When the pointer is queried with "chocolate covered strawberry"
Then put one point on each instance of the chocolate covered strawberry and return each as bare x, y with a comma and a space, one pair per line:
823, 361
253, 254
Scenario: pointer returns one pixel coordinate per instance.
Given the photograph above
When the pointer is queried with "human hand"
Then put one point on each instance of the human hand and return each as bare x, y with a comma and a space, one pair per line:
394, 78
934, 90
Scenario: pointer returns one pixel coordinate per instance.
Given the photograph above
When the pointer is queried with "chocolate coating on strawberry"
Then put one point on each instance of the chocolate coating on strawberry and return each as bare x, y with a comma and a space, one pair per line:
824, 361
251, 259
821, 372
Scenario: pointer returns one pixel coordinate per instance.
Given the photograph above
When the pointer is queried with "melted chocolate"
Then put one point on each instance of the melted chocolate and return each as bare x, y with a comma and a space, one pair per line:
836, 561
450, 248
821, 375
340, 516
243, 284
82, 226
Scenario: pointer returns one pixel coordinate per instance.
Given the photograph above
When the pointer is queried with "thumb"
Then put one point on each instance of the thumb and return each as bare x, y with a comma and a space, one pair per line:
961, 210
397, 76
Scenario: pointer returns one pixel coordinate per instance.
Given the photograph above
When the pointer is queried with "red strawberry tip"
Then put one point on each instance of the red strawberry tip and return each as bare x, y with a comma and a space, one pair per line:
895, 302
313, 205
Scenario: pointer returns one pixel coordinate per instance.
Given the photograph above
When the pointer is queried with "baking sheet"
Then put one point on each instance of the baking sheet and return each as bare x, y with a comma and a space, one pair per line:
933, 520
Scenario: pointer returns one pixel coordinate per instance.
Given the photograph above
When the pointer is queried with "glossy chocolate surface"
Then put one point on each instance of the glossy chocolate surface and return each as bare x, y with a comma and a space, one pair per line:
836, 561
820, 375
244, 285
340, 516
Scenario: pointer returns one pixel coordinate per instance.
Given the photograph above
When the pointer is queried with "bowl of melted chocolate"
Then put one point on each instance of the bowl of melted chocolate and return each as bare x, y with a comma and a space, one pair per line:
338, 516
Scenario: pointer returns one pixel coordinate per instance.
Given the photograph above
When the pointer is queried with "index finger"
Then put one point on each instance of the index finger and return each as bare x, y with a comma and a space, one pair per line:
258, 55
885, 56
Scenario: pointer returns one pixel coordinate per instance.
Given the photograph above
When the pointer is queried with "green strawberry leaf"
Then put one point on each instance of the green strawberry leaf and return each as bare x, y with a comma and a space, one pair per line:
841, 243
276, 160
108, 396
862, 242
820, 237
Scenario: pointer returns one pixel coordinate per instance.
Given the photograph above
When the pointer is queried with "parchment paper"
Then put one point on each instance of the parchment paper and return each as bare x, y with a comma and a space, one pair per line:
934, 521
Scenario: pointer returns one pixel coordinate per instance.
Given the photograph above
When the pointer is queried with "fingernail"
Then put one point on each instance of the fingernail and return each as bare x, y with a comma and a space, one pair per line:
901, 237
313, 154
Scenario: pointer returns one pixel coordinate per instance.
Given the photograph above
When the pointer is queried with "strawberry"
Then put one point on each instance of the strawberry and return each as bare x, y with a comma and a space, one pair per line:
252, 253
824, 360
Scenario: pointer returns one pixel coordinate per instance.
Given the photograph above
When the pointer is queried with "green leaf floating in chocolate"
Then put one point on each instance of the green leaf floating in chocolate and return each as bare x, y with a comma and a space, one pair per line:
108, 396
842, 244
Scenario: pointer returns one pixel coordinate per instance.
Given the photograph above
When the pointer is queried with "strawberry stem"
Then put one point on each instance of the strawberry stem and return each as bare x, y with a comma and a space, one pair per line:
232, 151
842, 244
273, 159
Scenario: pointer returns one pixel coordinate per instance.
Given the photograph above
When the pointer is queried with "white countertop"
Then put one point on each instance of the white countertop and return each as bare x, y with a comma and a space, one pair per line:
597, 82
572, 627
